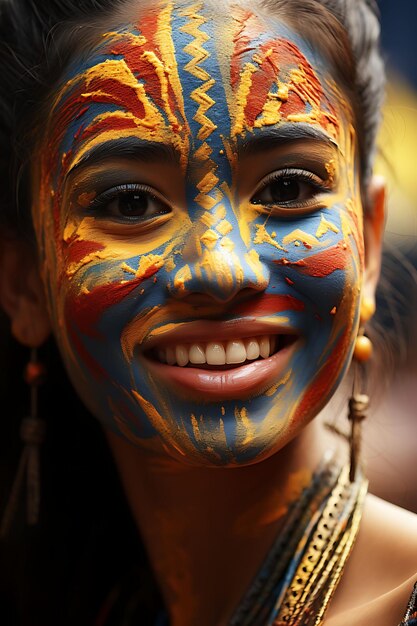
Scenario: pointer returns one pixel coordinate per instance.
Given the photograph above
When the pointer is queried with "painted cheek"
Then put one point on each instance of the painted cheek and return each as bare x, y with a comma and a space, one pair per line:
321, 264
102, 280
316, 246
318, 261
337, 272
333, 363
77, 251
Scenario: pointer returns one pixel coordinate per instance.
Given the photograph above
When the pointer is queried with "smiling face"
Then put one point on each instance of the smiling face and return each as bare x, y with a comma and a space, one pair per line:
200, 230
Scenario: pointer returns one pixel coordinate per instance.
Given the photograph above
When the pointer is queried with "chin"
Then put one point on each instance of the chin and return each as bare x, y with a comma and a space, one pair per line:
231, 434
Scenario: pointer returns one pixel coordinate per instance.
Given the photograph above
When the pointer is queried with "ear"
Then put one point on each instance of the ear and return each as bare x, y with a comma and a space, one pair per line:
22, 294
374, 224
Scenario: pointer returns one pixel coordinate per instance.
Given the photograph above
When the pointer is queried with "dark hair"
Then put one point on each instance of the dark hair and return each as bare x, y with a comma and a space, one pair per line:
37, 40
63, 575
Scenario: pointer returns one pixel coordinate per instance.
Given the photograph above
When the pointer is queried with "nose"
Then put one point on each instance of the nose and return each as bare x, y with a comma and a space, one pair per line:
217, 263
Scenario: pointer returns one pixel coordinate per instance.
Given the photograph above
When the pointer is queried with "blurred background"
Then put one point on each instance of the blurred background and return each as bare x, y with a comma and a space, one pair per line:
391, 432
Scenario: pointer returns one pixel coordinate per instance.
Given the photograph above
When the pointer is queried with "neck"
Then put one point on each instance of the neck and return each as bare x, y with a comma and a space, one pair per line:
208, 530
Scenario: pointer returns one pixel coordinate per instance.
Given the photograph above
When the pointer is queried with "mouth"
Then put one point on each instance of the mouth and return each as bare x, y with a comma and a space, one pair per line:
221, 355
229, 368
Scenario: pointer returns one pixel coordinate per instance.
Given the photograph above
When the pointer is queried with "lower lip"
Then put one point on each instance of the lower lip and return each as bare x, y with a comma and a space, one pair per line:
239, 383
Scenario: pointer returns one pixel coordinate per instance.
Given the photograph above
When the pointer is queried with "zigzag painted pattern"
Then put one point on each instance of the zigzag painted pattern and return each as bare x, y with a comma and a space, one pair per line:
200, 95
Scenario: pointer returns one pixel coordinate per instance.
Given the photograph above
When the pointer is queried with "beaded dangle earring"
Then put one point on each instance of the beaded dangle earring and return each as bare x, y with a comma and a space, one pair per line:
359, 401
32, 432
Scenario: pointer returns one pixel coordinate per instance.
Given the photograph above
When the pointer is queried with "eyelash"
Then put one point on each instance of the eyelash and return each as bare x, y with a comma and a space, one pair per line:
316, 185
101, 203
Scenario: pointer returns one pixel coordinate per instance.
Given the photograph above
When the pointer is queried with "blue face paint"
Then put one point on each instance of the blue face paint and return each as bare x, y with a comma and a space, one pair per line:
201, 197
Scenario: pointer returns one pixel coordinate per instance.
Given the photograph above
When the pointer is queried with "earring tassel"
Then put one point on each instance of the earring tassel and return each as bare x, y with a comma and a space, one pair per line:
32, 433
358, 411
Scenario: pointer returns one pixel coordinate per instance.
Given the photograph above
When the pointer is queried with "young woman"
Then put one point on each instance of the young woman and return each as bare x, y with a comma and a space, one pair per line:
206, 247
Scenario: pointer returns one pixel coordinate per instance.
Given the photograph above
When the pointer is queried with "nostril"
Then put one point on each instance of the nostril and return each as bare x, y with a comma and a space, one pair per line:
198, 299
247, 293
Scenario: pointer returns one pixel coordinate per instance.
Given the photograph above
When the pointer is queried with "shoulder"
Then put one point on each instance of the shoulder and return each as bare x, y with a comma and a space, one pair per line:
385, 610
388, 536
379, 577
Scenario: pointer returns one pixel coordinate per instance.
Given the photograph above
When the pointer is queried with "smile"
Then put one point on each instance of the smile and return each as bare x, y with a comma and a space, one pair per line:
230, 368
217, 353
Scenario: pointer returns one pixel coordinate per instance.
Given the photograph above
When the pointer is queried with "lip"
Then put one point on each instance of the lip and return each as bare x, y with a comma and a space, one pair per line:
238, 383
212, 330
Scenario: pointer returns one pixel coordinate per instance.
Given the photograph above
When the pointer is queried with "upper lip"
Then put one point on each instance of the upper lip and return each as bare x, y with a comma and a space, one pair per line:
203, 331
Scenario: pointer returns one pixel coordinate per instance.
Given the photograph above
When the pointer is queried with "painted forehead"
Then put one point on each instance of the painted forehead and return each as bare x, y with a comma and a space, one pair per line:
184, 73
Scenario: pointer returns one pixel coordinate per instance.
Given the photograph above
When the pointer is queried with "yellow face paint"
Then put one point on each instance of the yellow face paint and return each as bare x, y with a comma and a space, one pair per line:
165, 225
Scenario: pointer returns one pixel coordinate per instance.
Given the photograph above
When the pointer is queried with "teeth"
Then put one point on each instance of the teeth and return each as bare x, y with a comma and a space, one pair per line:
181, 354
252, 349
215, 354
219, 353
197, 354
264, 347
235, 352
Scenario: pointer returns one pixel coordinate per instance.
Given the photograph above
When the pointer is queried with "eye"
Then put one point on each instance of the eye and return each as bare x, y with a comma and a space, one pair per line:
129, 202
290, 188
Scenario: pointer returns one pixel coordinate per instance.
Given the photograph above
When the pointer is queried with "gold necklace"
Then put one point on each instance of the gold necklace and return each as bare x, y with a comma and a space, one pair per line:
301, 572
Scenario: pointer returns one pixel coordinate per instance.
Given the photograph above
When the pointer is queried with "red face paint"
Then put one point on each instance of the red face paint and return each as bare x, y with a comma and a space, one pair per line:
160, 81
322, 263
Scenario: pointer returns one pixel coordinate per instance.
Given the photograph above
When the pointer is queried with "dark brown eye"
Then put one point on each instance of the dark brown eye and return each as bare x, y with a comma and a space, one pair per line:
289, 188
134, 203
130, 202
285, 190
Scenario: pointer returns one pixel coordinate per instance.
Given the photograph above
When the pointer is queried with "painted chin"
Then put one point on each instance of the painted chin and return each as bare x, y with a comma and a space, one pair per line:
204, 384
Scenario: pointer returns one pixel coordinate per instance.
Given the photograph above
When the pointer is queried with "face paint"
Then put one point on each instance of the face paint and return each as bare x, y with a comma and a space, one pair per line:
161, 232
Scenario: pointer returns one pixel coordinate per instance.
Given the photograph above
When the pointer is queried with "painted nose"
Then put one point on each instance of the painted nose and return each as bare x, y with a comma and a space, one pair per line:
219, 265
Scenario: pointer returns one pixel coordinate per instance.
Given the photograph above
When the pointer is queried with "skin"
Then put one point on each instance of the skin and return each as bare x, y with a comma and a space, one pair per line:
206, 506
217, 246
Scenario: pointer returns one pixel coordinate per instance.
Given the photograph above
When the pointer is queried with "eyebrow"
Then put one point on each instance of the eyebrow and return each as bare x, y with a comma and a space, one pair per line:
128, 148
142, 150
288, 133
